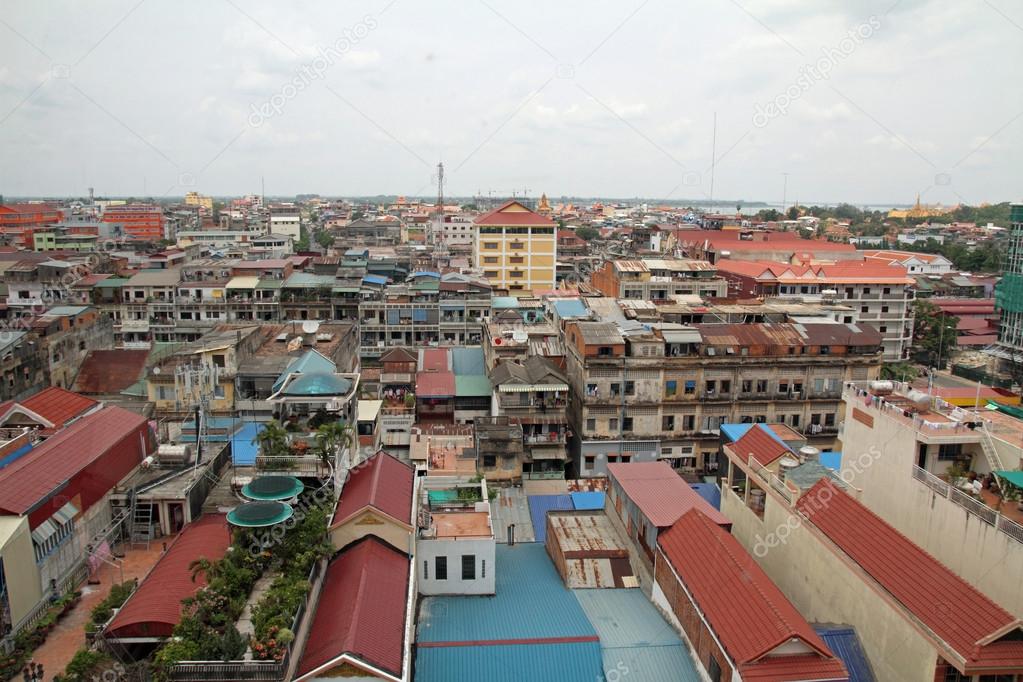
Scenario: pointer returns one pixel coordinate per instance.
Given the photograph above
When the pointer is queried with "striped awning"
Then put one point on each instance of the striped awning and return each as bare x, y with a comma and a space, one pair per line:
43, 531
66, 513
530, 388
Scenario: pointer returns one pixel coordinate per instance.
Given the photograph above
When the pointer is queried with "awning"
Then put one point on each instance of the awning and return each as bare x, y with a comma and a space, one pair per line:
552, 453
43, 531
681, 336
1013, 477
529, 388
66, 513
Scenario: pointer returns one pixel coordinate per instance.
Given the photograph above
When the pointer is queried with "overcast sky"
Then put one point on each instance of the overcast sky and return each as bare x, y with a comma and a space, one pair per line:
612, 99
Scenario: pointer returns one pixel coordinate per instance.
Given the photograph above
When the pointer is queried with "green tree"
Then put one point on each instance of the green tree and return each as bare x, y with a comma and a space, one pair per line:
330, 438
272, 440
792, 213
934, 334
587, 233
325, 239
899, 371
768, 214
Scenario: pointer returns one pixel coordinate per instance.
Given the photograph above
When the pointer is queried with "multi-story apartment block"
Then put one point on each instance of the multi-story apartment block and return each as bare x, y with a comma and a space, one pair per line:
652, 279
534, 395
22, 366
66, 334
429, 310
196, 199
34, 285
18, 222
882, 292
516, 248
139, 221
661, 391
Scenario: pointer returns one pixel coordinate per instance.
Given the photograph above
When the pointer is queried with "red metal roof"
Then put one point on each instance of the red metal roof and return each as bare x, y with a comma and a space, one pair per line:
57, 405
435, 359
954, 611
660, 493
435, 384
513, 213
382, 482
106, 372
747, 612
361, 610
37, 475
155, 607
764, 447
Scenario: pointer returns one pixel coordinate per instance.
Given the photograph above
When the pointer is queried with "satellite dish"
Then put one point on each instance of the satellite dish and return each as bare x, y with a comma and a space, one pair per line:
156, 370
519, 336
310, 326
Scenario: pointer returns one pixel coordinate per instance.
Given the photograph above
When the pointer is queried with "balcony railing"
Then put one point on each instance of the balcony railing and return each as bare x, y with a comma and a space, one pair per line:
972, 505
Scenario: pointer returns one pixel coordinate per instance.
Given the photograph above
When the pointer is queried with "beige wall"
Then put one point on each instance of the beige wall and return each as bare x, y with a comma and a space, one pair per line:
979, 553
18, 556
370, 522
825, 590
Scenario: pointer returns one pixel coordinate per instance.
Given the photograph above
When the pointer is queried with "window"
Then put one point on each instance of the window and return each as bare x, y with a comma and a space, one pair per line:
490, 259
515, 273
761, 385
864, 308
589, 461
887, 290
489, 461
627, 424
882, 329
670, 387
591, 425
713, 670
483, 568
490, 245
711, 386
726, 386
825, 350
950, 451
884, 309
490, 273
829, 419
468, 567
219, 360
630, 388
747, 386
866, 290
688, 422
612, 424
616, 389
517, 259
690, 387
440, 568
797, 387
668, 423
783, 386
794, 420
218, 391
426, 570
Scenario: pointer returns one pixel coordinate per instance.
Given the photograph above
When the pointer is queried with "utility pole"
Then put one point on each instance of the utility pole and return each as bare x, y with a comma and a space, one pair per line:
784, 191
713, 155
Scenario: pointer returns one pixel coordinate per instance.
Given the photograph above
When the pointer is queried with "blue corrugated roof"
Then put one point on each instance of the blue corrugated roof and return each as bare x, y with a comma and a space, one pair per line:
844, 643
634, 637
576, 662
832, 460
570, 307
424, 273
709, 492
468, 361
539, 505
530, 602
374, 279
17, 454
594, 500
733, 432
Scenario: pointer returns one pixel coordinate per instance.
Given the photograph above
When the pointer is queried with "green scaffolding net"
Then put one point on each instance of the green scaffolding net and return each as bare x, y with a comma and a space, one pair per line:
1009, 293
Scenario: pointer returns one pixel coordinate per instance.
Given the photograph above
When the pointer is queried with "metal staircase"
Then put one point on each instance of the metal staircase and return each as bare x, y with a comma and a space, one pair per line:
141, 520
987, 444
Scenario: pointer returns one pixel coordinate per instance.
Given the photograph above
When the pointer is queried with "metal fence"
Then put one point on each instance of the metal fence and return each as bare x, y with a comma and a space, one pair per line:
971, 504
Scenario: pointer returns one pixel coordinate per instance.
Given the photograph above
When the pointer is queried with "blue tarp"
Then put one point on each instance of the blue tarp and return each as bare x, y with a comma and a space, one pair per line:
310, 361
468, 362
594, 500
709, 492
424, 273
539, 505
844, 643
832, 460
418, 315
374, 279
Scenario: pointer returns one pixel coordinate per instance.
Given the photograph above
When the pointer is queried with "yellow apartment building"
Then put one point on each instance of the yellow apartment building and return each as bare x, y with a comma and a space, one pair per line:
516, 248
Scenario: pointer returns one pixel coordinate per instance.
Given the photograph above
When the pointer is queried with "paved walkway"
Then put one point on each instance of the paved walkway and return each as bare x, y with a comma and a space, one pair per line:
244, 623
69, 635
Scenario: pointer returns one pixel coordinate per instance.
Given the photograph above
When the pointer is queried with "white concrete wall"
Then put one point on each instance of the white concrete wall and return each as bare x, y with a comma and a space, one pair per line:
826, 590
428, 549
979, 553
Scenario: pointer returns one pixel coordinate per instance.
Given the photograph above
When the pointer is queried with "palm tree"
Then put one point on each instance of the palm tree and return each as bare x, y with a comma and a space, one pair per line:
272, 440
203, 566
330, 438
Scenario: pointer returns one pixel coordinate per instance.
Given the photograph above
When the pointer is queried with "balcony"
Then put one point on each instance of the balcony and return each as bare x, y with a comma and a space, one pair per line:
974, 506
395, 377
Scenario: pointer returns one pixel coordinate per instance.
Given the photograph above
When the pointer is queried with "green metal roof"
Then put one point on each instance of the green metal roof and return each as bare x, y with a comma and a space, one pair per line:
472, 386
270, 283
